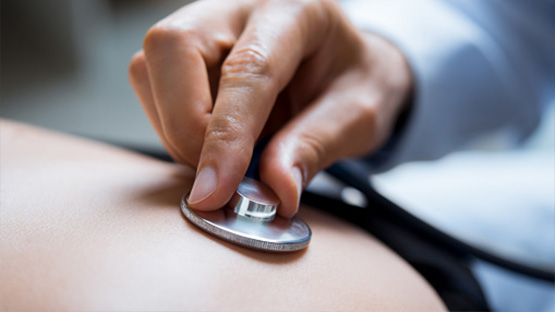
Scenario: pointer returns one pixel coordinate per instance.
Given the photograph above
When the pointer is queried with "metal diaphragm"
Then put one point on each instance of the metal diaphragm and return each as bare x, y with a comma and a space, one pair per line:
254, 225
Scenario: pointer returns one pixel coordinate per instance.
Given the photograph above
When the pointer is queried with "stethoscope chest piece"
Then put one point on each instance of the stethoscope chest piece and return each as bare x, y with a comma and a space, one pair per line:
250, 220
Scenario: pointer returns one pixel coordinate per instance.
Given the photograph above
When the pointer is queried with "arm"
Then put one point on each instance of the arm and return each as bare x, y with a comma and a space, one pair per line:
479, 67
86, 226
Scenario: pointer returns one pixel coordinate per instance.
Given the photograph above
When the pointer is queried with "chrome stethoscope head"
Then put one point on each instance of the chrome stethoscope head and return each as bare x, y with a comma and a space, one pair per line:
250, 220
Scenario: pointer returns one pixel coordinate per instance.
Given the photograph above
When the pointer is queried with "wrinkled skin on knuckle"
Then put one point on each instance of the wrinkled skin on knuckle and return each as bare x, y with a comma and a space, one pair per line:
228, 133
247, 64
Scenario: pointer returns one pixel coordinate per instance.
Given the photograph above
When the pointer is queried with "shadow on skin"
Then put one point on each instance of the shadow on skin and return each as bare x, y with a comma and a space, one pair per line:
263, 256
169, 193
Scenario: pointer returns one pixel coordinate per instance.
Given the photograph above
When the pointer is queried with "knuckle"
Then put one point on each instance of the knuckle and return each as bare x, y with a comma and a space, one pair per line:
314, 149
162, 37
316, 12
250, 62
367, 109
157, 36
369, 112
137, 65
371, 120
225, 131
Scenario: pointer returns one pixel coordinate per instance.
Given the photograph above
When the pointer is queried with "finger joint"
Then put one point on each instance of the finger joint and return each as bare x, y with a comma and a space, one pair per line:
250, 63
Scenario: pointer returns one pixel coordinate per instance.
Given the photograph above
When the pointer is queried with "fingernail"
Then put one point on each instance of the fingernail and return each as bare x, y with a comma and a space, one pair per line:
297, 175
204, 186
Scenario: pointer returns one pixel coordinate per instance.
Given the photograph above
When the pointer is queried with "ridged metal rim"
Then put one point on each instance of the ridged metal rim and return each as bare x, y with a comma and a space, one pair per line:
241, 238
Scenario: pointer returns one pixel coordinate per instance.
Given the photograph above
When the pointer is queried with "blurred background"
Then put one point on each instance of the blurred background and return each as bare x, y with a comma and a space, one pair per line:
64, 67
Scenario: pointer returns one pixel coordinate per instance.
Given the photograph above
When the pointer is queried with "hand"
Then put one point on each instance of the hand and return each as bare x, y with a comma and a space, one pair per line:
217, 75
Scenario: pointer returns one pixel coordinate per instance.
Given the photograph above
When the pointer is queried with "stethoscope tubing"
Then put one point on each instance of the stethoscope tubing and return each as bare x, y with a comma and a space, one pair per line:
354, 174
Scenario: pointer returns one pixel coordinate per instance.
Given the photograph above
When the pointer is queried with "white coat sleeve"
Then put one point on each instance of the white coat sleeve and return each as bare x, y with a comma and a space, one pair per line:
479, 67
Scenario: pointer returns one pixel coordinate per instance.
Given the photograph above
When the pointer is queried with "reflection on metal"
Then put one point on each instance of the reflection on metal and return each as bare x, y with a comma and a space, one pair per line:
254, 199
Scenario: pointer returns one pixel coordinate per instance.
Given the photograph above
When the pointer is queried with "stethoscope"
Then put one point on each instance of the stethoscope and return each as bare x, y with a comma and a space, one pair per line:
354, 174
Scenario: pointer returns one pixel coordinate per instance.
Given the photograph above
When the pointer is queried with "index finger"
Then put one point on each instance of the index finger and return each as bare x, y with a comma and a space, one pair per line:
260, 65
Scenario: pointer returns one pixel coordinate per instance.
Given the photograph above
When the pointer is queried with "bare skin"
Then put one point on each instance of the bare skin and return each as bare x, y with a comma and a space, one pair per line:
87, 226
216, 75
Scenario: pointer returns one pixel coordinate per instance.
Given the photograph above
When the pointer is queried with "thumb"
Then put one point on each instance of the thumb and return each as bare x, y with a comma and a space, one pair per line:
323, 133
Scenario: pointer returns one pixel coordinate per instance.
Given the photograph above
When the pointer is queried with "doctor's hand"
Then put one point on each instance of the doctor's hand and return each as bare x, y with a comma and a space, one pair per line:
217, 75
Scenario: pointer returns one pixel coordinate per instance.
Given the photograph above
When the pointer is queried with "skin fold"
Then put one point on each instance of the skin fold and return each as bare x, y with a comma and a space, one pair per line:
217, 75
88, 226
